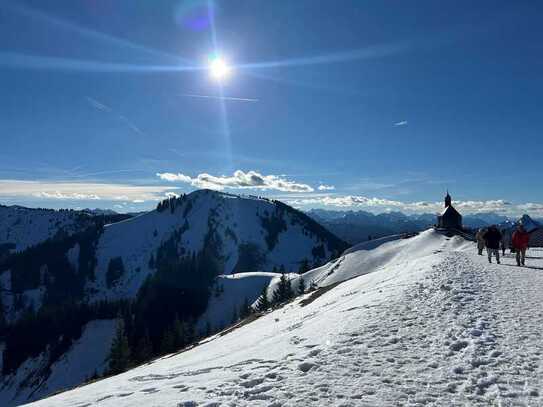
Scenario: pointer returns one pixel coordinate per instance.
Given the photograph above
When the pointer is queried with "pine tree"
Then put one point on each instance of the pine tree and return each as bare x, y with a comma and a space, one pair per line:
235, 316
245, 309
289, 292
263, 302
190, 332
144, 349
217, 291
167, 344
283, 292
304, 266
277, 296
208, 329
178, 333
119, 357
279, 293
301, 286
2, 313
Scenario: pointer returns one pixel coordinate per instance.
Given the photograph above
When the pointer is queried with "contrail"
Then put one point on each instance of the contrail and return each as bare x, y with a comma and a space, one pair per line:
189, 95
98, 105
104, 108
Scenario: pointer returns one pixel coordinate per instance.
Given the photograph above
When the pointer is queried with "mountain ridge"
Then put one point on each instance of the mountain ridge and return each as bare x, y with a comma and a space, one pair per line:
153, 269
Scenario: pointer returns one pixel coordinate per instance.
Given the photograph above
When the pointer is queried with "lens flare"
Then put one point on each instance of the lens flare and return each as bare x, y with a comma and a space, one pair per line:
219, 69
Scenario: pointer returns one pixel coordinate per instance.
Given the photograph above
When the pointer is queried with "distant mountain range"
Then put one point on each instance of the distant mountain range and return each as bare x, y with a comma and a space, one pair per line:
359, 226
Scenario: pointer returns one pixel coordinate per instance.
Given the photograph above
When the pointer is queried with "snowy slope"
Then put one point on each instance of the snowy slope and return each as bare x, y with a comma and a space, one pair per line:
236, 220
23, 227
74, 367
236, 288
247, 235
429, 323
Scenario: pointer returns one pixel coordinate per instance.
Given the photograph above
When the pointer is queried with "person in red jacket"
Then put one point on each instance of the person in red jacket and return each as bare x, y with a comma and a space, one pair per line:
521, 239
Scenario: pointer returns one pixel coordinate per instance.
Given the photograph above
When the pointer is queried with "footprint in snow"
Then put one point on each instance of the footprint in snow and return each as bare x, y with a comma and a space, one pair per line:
104, 398
252, 382
296, 340
306, 366
458, 345
476, 332
259, 390
150, 390
274, 376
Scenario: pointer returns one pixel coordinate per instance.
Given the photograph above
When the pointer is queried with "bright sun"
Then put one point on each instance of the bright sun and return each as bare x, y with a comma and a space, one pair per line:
219, 69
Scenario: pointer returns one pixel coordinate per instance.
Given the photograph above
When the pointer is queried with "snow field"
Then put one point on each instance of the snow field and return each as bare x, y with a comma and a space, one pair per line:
432, 324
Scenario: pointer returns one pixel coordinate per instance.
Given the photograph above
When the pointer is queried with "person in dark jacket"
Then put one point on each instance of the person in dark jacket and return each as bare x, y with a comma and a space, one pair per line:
521, 240
493, 238
506, 241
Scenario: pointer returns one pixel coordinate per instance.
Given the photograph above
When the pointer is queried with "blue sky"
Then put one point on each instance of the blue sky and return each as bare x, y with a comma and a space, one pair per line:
388, 102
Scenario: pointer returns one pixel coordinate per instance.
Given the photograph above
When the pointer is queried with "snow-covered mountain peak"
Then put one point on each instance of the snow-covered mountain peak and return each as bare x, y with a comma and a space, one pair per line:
250, 234
163, 265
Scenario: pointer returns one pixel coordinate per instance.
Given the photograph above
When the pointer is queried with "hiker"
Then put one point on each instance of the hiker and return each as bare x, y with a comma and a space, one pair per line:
480, 240
506, 241
521, 240
492, 242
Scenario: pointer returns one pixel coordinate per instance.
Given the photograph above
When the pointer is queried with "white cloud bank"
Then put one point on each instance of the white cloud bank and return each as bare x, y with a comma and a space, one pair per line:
326, 188
81, 191
381, 205
22, 190
238, 180
75, 196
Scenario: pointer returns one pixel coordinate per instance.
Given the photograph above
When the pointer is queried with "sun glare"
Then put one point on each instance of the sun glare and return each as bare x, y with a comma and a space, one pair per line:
219, 69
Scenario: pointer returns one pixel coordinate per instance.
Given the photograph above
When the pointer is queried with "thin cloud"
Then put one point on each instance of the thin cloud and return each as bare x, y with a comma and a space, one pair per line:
238, 180
326, 188
47, 190
190, 95
401, 123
